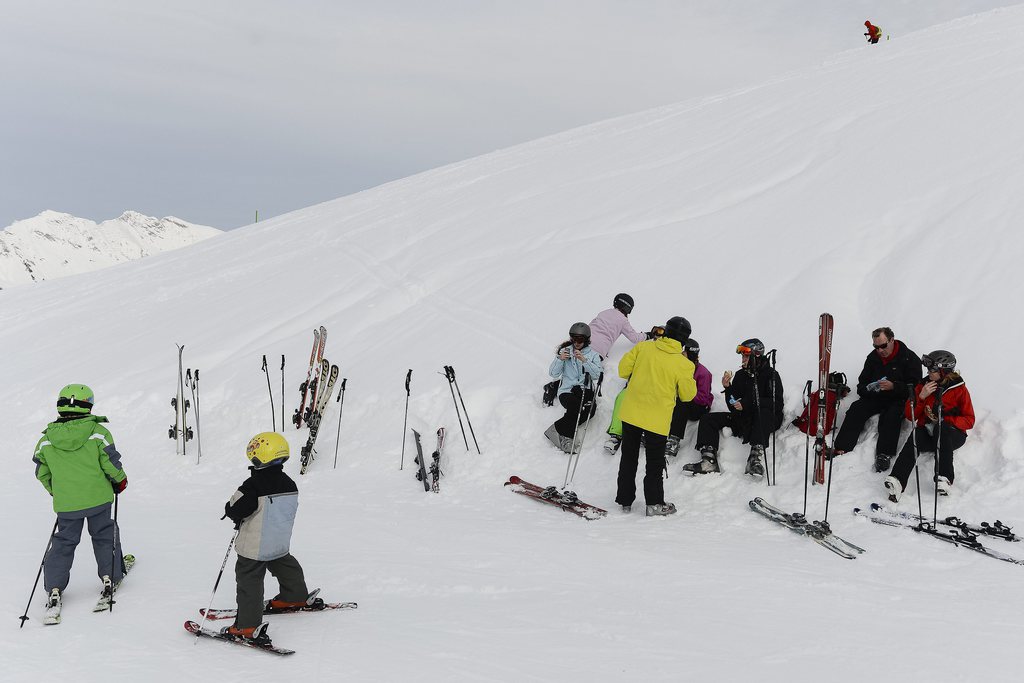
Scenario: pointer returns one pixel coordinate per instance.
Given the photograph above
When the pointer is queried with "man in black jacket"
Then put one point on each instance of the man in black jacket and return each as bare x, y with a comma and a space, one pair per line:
754, 398
883, 386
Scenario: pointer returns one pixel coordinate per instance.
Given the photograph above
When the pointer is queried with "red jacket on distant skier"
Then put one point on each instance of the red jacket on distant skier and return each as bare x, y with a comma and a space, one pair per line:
874, 33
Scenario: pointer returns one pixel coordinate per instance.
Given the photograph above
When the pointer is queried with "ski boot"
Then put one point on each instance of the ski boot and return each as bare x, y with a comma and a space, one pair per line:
552, 435
626, 509
612, 444
661, 509
53, 603
312, 602
894, 489
755, 466
943, 485
882, 462
253, 634
707, 464
672, 445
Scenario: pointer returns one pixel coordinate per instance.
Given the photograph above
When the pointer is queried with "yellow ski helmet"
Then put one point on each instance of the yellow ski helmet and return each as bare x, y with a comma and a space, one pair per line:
267, 449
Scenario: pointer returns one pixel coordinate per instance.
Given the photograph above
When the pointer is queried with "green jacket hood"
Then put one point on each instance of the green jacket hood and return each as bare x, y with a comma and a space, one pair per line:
70, 435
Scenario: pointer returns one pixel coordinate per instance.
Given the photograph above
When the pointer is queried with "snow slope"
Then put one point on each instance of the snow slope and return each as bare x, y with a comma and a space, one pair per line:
882, 187
55, 244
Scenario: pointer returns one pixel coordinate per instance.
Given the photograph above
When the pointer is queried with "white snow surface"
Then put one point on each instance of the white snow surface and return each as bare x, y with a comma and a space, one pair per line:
883, 187
55, 244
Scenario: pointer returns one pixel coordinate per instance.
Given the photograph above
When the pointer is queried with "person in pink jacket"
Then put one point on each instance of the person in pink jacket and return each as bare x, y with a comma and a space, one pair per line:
612, 323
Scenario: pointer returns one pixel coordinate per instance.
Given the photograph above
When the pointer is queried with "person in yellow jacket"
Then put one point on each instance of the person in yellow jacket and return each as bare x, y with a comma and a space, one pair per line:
658, 372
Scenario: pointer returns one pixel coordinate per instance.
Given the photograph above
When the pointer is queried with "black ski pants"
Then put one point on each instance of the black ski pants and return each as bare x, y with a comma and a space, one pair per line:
952, 439
249, 575
890, 420
570, 400
654, 486
683, 413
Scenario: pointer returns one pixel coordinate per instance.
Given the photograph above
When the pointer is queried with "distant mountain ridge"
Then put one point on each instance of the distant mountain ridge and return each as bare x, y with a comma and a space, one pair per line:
55, 244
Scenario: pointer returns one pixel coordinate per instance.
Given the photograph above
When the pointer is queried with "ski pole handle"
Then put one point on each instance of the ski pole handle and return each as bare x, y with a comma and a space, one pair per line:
282, 361
264, 368
342, 392
408, 378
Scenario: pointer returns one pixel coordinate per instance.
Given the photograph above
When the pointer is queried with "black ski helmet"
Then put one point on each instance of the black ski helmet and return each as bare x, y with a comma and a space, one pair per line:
623, 302
580, 329
678, 328
692, 349
939, 360
755, 345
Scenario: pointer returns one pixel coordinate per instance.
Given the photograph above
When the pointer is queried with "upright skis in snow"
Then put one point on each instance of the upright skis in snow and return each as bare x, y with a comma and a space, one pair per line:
824, 360
330, 374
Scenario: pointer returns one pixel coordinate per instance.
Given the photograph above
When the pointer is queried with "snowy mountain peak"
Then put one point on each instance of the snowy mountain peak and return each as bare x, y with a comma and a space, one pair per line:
54, 244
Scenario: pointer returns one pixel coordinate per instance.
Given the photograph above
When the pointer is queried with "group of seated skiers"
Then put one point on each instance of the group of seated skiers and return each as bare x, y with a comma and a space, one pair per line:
667, 386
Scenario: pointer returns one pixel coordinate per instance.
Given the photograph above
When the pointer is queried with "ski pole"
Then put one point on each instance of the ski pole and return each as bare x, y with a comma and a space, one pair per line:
579, 418
449, 373
217, 582
807, 441
758, 416
341, 408
113, 553
913, 441
49, 543
282, 396
273, 413
771, 354
464, 411
938, 449
199, 431
586, 425
408, 378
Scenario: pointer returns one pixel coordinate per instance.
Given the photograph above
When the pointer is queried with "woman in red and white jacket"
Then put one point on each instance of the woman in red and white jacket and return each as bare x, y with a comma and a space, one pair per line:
957, 414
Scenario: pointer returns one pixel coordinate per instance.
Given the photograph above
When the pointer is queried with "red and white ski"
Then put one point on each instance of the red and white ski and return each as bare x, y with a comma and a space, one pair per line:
824, 359
566, 500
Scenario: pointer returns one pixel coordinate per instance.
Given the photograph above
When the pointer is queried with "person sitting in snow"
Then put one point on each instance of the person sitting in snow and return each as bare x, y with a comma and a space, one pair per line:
754, 398
606, 327
574, 362
659, 374
942, 387
690, 410
890, 371
873, 33
79, 466
263, 510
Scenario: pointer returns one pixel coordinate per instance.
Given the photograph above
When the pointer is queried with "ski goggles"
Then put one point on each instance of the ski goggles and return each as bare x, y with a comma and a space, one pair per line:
578, 338
745, 350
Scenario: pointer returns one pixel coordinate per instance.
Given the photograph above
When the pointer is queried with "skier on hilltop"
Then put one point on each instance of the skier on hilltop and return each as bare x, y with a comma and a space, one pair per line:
890, 371
263, 510
873, 33
750, 396
658, 374
574, 359
690, 410
78, 464
943, 384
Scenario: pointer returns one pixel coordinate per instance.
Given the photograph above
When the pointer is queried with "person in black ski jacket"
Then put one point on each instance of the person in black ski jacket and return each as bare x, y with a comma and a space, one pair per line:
263, 510
755, 402
890, 371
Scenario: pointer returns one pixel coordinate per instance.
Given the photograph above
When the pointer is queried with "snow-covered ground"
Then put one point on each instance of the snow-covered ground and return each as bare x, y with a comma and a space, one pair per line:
55, 244
883, 187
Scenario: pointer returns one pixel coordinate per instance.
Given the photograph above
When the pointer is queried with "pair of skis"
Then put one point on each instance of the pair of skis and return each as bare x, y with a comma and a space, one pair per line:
951, 530
106, 599
329, 374
567, 500
819, 532
309, 386
180, 431
431, 482
199, 630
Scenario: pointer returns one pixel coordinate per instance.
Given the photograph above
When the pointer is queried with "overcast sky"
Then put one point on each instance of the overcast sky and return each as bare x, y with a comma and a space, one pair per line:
210, 110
